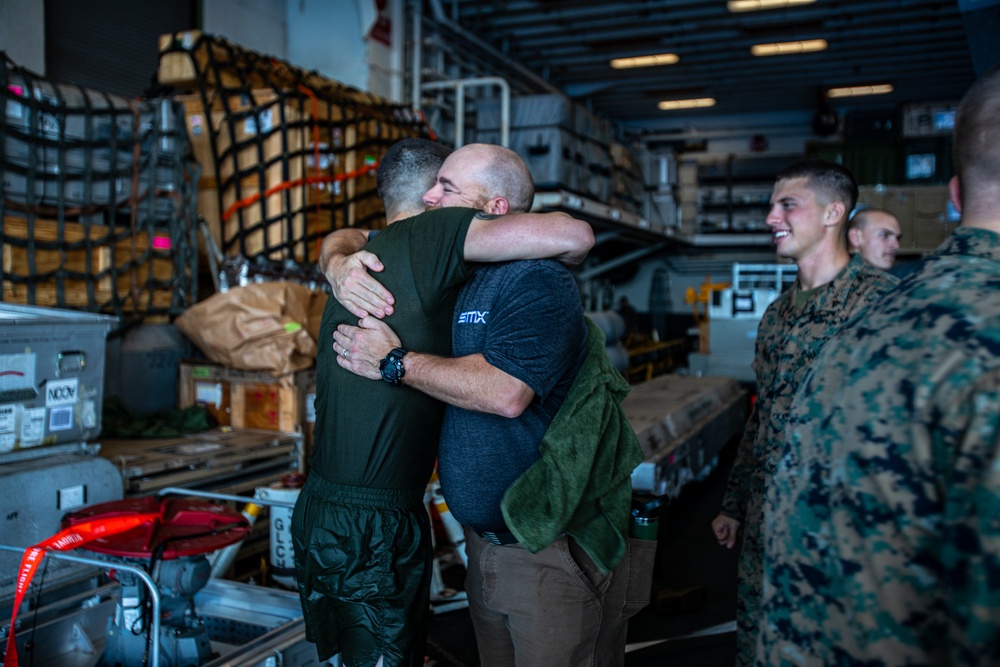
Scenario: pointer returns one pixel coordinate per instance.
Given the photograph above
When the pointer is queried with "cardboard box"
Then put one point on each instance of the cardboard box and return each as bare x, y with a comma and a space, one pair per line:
250, 399
268, 143
185, 57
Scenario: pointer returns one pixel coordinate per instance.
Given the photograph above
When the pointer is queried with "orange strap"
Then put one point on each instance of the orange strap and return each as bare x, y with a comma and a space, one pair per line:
65, 540
430, 130
255, 197
315, 130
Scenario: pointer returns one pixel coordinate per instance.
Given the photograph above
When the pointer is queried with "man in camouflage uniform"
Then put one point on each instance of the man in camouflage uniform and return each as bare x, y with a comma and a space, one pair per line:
888, 484
809, 208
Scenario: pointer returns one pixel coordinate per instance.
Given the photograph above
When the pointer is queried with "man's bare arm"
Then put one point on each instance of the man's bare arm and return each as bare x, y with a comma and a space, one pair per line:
528, 236
346, 266
489, 239
468, 382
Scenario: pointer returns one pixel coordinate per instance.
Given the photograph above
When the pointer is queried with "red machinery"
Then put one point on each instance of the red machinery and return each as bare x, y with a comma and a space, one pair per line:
172, 548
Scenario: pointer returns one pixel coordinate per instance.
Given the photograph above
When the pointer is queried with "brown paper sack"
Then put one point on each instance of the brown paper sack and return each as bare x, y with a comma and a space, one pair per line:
261, 326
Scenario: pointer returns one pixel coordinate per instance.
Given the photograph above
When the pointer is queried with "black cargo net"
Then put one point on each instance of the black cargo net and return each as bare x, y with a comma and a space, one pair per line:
287, 155
97, 200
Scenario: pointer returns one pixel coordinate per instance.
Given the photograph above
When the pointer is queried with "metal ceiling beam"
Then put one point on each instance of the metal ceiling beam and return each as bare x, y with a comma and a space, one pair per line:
710, 19
858, 45
920, 46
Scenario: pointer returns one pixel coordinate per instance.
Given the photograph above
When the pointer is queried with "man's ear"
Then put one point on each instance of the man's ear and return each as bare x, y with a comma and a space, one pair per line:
854, 237
497, 206
955, 193
834, 212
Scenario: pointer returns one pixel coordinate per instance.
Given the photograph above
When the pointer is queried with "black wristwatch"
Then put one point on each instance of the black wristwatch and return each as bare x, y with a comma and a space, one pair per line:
391, 367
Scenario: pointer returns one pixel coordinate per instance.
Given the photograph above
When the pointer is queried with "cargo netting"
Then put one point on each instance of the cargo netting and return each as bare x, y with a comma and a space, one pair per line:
287, 155
97, 200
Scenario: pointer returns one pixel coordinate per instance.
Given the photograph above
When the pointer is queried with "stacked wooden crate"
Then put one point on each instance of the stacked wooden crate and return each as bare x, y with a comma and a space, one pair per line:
112, 263
97, 211
286, 155
922, 210
628, 189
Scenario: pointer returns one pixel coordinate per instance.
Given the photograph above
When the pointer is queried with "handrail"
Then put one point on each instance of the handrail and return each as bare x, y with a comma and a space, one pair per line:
154, 594
460, 85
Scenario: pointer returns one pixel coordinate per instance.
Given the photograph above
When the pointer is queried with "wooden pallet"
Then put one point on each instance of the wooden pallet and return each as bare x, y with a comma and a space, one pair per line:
222, 459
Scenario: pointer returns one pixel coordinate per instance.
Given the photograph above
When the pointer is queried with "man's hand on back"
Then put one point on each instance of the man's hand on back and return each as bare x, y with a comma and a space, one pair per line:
355, 288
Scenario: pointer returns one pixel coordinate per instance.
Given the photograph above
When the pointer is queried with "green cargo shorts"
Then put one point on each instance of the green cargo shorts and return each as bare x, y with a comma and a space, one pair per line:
363, 564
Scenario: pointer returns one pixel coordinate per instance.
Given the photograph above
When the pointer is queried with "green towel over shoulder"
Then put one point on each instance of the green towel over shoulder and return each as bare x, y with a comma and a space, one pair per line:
581, 484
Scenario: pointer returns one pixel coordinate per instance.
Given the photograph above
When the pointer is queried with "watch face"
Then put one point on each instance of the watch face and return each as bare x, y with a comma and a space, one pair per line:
391, 368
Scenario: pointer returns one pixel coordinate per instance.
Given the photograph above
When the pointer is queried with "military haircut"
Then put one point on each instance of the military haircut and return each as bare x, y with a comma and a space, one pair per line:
408, 170
833, 181
976, 150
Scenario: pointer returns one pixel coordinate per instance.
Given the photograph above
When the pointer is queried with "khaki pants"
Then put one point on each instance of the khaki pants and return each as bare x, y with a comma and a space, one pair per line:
554, 607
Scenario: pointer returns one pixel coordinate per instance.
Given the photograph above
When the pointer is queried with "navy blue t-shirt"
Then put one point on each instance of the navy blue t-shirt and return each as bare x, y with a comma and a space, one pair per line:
526, 318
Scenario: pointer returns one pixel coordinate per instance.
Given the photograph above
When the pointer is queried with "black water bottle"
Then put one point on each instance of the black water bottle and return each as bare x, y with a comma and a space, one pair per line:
644, 520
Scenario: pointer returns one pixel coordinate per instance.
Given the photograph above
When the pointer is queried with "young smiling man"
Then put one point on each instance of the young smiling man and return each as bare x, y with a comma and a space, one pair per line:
809, 208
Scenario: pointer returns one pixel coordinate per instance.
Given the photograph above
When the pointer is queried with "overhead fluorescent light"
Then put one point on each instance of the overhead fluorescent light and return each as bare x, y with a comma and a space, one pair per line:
788, 48
645, 61
695, 103
856, 91
757, 5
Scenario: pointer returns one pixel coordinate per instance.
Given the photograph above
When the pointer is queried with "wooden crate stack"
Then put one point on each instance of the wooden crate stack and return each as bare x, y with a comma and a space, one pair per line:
98, 206
117, 263
252, 399
286, 155
922, 211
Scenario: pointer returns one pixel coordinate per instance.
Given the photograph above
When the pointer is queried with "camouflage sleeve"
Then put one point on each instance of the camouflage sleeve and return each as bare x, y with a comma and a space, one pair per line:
734, 503
738, 488
971, 525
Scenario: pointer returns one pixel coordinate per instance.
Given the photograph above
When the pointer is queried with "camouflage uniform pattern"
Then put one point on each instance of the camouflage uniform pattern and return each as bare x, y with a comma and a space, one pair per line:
788, 339
887, 550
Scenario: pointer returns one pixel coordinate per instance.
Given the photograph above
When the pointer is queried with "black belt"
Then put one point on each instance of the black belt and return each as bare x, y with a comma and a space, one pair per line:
497, 538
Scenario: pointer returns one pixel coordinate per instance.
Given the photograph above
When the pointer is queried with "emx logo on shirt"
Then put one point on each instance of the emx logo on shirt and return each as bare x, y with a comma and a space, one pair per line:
473, 317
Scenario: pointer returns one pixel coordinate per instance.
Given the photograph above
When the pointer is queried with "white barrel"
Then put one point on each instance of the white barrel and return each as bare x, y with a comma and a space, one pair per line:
282, 557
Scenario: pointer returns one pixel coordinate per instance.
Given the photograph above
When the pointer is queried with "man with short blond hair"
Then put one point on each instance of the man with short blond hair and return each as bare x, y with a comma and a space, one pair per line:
875, 234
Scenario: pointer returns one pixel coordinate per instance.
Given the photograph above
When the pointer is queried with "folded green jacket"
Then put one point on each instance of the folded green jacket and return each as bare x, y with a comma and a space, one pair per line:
582, 483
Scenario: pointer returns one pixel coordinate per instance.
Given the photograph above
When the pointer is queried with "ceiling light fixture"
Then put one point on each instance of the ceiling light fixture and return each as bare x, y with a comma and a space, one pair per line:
788, 48
856, 91
695, 103
757, 5
645, 61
